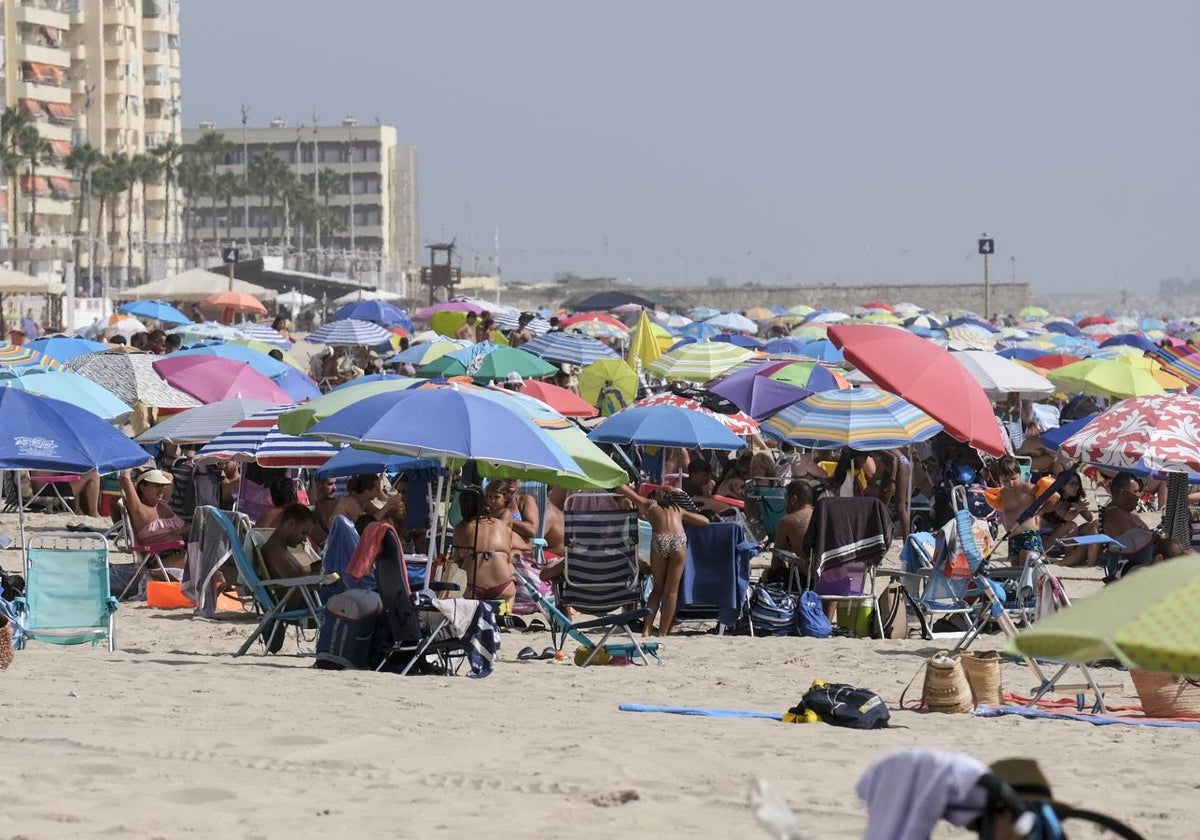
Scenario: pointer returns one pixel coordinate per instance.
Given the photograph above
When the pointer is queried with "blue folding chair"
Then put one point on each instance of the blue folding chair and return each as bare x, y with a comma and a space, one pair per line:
67, 599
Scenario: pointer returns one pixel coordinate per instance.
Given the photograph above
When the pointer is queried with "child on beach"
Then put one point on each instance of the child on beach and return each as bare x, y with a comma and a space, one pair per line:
668, 552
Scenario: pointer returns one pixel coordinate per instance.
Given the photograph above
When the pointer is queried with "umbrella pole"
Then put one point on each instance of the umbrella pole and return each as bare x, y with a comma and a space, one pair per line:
20, 515
434, 519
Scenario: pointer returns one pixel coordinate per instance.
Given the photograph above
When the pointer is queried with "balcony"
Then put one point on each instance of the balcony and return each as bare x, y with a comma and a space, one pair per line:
79, 52
42, 13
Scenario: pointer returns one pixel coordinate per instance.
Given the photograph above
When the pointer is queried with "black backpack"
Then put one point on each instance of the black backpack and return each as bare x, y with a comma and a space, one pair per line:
843, 705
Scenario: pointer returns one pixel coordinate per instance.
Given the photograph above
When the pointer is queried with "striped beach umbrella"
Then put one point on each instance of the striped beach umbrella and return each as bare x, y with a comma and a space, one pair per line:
423, 354
511, 320
350, 332
258, 439
202, 423
132, 377
699, 362
263, 332
568, 348
863, 418
13, 355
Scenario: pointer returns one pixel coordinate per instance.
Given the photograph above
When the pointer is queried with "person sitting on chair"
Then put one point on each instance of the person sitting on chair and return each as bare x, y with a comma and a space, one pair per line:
1118, 518
324, 502
502, 505
792, 527
292, 528
366, 497
483, 548
150, 514
1062, 519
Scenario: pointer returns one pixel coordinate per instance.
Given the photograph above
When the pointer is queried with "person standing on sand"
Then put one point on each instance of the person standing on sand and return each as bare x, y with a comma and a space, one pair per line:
668, 552
1016, 496
466, 330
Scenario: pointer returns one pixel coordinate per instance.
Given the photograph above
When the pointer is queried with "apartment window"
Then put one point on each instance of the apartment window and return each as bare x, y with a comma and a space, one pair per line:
366, 185
368, 216
287, 154
371, 154
131, 70
134, 104
157, 74
154, 41
331, 154
173, 42
154, 8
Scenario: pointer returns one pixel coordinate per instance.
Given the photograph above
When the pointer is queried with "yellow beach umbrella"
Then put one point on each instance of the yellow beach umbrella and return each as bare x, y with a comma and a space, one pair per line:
1105, 378
643, 343
608, 384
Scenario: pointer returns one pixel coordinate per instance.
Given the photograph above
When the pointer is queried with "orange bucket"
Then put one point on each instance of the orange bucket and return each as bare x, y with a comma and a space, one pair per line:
166, 595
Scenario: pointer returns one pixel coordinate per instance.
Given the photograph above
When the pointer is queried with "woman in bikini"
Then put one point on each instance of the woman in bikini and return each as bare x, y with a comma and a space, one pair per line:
483, 547
668, 552
150, 515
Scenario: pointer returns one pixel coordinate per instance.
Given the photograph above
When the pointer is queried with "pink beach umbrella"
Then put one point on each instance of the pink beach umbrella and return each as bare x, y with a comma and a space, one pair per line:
449, 306
211, 379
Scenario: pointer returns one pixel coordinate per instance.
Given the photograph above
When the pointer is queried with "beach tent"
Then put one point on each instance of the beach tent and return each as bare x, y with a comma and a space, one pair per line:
195, 284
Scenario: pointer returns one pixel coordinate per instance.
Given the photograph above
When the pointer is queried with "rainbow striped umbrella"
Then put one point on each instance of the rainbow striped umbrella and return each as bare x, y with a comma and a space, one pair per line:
863, 418
14, 355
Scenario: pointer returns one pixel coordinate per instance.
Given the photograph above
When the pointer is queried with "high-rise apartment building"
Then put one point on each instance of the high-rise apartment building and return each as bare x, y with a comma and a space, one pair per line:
360, 175
104, 72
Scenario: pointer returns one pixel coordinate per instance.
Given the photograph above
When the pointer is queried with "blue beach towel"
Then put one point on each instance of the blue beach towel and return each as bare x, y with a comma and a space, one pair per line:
700, 712
1094, 720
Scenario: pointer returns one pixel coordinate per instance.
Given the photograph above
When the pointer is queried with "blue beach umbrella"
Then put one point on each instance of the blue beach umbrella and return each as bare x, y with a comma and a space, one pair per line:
68, 387
350, 332
155, 310
569, 348
445, 423
749, 342
1130, 340
699, 331
665, 425
823, 350
784, 345
376, 311
351, 461
63, 348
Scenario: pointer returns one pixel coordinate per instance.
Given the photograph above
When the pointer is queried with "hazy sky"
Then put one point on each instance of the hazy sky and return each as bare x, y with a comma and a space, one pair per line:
769, 141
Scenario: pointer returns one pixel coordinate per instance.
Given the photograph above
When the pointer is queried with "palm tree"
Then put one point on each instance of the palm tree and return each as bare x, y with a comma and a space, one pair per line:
107, 184
13, 123
146, 170
82, 161
268, 178
169, 154
330, 182
119, 166
229, 186
213, 146
35, 150
193, 179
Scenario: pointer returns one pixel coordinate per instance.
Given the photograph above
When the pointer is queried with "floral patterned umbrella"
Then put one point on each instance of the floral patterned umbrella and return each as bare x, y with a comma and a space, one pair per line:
706, 402
1156, 434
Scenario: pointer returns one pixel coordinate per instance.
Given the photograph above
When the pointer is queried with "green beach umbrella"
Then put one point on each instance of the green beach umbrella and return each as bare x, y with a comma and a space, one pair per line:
1149, 620
502, 361
702, 361
300, 419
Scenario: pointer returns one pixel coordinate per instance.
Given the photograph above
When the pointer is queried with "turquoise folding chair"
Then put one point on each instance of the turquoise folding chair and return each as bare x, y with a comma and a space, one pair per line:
67, 599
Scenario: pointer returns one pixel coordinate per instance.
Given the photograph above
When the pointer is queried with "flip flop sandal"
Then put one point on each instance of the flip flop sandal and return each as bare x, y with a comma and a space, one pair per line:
527, 653
548, 653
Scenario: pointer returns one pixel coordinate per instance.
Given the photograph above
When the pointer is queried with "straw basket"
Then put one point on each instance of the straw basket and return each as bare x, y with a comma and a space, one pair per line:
6, 643
983, 675
946, 688
1166, 696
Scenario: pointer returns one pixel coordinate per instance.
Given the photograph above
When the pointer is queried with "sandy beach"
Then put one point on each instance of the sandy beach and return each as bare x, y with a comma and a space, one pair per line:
171, 736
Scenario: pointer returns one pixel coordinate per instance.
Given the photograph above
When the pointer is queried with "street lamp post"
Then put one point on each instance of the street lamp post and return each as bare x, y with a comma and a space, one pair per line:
245, 179
350, 123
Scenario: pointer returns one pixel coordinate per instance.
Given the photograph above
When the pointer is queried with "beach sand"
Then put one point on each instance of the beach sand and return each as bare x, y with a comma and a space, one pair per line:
172, 737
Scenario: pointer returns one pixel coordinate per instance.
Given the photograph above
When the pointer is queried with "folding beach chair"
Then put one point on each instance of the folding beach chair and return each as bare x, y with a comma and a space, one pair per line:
600, 577
277, 615
769, 504
67, 599
145, 555
419, 631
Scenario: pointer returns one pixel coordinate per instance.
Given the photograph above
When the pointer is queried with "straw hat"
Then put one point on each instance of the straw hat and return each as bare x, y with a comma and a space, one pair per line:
1025, 777
154, 477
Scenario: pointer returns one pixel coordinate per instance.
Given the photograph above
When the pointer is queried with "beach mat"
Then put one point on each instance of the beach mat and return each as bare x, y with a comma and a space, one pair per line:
700, 712
1094, 720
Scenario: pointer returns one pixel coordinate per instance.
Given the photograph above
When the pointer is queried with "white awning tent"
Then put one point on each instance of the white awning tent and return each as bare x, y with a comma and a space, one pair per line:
20, 283
369, 294
193, 285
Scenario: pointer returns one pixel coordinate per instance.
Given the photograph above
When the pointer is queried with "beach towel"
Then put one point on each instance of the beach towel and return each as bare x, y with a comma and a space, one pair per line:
362, 561
699, 711
717, 572
474, 623
918, 551
907, 793
416, 506
339, 549
846, 531
1095, 720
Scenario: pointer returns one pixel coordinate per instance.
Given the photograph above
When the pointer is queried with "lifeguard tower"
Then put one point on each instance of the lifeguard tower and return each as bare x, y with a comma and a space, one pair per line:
440, 273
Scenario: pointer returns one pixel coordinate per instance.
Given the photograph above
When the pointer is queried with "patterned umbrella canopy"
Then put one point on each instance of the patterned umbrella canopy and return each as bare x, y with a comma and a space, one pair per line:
706, 402
12, 355
699, 362
512, 320
568, 348
863, 418
203, 423
132, 377
258, 439
1155, 434
349, 332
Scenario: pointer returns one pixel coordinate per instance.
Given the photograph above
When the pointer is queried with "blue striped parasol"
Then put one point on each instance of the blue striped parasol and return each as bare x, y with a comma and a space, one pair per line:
258, 439
350, 332
569, 348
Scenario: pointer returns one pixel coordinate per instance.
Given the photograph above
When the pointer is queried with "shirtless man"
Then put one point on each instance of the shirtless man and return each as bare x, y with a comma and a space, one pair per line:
466, 330
294, 526
792, 527
1119, 517
521, 335
483, 547
530, 520
1016, 496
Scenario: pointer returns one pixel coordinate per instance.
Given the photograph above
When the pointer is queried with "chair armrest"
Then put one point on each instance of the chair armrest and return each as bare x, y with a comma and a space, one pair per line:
539, 542
788, 557
113, 604
157, 548
439, 586
307, 580
20, 604
613, 620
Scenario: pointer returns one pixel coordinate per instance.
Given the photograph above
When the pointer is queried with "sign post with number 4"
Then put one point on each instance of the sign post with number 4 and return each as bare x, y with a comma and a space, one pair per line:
987, 247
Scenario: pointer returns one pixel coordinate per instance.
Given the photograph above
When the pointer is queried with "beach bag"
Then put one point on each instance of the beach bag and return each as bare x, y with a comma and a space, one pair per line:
810, 616
839, 704
946, 688
893, 613
773, 611
348, 630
